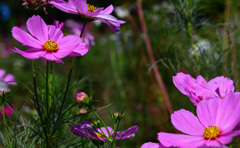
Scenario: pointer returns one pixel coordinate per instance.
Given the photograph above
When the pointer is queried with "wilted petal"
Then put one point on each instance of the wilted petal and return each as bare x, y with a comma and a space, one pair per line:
111, 21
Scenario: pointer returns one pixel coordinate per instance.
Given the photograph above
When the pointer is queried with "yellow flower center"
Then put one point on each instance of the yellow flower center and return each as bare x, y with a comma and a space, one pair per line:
91, 8
223, 97
51, 46
100, 135
211, 132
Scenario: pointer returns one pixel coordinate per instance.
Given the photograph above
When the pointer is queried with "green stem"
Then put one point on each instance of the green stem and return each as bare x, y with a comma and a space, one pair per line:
47, 103
84, 25
190, 34
50, 85
115, 133
5, 125
100, 119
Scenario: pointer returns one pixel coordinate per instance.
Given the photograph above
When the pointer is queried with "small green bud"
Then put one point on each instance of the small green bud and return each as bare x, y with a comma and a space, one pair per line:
96, 124
82, 98
117, 116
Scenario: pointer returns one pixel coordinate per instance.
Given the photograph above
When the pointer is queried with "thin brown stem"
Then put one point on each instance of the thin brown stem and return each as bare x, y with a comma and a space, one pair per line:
152, 59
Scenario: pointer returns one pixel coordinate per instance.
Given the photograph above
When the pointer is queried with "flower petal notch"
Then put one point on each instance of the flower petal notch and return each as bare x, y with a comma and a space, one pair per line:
89, 12
47, 41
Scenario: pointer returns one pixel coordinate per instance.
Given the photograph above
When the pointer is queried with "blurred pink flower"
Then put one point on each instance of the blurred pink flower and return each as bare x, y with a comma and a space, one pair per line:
199, 89
213, 126
47, 41
75, 27
7, 78
89, 12
7, 109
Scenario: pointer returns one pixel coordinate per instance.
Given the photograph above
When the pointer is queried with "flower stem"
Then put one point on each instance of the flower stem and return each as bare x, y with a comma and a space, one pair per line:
190, 33
115, 133
100, 119
5, 125
50, 85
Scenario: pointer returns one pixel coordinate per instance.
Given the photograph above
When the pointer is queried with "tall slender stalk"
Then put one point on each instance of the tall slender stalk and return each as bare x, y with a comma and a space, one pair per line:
152, 59
50, 85
69, 77
190, 33
5, 125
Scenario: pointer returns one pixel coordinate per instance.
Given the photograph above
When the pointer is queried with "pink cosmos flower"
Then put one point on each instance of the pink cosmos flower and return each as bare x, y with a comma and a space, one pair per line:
47, 41
6, 78
84, 129
8, 111
75, 27
213, 126
199, 89
89, 12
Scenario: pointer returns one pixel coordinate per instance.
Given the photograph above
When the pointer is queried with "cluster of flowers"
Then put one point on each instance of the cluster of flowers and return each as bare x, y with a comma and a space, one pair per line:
217, 108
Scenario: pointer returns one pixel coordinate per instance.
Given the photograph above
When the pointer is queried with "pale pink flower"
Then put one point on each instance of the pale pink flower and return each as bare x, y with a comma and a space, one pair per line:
199, 89
47, 41
7, 78
76, 27
89, 12
214, 125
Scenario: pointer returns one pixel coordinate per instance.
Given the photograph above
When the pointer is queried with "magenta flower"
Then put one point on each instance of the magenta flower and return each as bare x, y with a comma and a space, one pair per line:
7, 78
84, 129
199, 89
89, 12
152, 145
75, 27
8, 111
213, 126
47, 41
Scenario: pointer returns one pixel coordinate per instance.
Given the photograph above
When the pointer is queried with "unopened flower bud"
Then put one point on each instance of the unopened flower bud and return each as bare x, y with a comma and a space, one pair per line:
83, 111
82, 98
96, 124
117, 116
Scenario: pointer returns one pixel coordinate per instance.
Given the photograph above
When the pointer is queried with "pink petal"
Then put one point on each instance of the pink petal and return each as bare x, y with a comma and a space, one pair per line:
25, 38
207, 111
94, 13
50, 57
228, 113
152, 145
227, 138
31, 53
186, 122
63, 52
81, 5
111, 21
9, 77
180, 140
38, 28
2, 73
64, 6
127, 133
222, 86
108, 10
183, 82
105, 131
80, 50
54, 33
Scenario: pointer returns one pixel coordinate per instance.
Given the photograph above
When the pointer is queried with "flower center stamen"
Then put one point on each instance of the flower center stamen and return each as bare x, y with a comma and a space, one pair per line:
91, 8
100, 135
51, 46
211, 132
